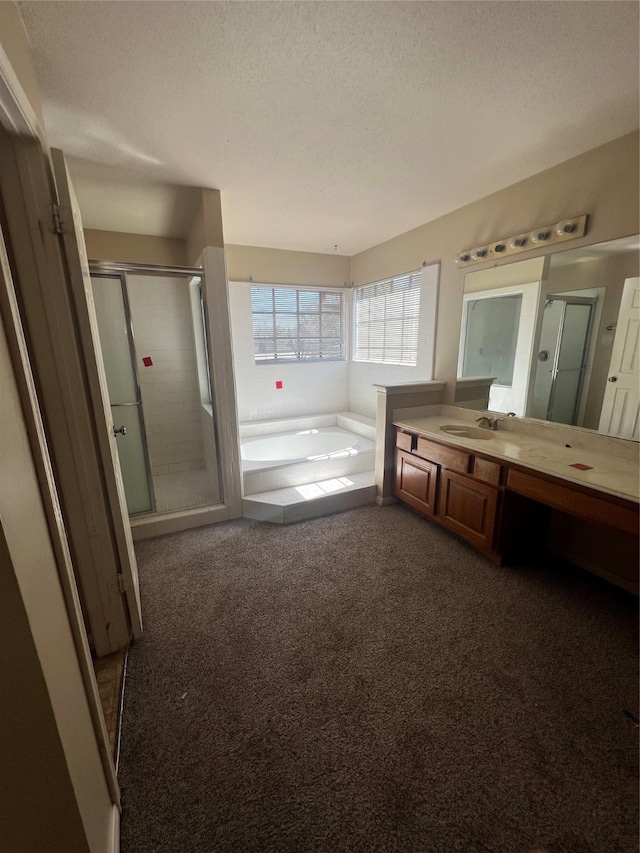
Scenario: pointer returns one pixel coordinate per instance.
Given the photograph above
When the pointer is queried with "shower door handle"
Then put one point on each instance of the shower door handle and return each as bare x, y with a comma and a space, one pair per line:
122, 430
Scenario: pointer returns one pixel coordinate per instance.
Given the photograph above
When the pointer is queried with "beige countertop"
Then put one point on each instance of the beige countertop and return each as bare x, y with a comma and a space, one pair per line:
614, 469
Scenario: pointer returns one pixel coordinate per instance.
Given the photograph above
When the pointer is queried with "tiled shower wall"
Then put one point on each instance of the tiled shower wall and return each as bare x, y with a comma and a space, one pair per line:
163, 331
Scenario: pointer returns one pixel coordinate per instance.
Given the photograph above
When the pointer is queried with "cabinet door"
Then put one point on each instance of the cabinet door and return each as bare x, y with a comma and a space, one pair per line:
416, 482
469, 508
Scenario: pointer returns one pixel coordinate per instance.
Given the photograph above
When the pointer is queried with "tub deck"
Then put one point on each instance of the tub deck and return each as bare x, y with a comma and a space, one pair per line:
306, 457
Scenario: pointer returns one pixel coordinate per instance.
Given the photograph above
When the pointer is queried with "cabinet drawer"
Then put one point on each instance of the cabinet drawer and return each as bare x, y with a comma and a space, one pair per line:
405, 441
564, 498
448, 457
487, 471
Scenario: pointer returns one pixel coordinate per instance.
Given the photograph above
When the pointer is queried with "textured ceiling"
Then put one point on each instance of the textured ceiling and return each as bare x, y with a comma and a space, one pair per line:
328, 123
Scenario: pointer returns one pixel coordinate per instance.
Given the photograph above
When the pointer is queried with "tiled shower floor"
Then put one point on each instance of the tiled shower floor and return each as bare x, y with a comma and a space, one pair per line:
184, 489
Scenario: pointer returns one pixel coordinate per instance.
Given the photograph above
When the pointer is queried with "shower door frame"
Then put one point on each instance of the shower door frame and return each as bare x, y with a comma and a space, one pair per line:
120, 269
122, 276
570, 300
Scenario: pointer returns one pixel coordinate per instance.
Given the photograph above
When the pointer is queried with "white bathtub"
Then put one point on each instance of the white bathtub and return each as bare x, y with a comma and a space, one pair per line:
316, 449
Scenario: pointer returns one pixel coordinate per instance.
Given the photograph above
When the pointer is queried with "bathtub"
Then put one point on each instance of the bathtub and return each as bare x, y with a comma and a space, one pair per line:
297, 451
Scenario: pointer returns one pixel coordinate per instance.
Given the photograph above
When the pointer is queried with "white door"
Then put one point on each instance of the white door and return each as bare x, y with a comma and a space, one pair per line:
621, 404
80, 281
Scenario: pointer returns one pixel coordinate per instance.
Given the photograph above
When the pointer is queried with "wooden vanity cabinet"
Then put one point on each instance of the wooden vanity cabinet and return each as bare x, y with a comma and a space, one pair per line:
501, 507
416, 481
456, 488
469, 508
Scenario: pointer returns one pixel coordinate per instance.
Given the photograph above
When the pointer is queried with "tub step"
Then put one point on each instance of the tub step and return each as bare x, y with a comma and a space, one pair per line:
297, 503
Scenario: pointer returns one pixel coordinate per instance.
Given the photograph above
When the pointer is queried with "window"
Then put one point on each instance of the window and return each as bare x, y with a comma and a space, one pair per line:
297, 325
386, 320
491, 337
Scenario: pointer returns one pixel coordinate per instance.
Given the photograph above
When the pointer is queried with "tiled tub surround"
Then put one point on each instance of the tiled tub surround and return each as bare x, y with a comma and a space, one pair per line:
322, 447
545, 447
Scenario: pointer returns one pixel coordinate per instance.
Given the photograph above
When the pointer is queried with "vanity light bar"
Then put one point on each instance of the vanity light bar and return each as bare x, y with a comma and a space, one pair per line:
566, 229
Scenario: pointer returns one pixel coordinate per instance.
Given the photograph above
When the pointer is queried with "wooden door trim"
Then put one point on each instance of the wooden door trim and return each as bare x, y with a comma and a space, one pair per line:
87, 343
60, 380
16, 113
10, 317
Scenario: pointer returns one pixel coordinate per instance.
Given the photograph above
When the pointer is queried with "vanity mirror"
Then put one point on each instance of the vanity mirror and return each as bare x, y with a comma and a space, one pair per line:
560, 336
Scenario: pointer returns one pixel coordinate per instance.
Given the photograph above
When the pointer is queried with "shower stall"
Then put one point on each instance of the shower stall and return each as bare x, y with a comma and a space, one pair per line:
154, 346
562, 357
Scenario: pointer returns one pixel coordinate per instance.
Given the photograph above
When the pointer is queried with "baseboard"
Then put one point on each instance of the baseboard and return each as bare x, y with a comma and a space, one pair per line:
114, 841
390, 499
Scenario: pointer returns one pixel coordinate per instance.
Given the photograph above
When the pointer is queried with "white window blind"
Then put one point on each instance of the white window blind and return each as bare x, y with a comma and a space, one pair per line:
386, 320
297, 325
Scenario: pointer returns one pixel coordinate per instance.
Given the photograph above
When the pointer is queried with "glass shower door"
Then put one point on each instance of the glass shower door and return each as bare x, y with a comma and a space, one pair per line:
116, 344
562, 358
571, 362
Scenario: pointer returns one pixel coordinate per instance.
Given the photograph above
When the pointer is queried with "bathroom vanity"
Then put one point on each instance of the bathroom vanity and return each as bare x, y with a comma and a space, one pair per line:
498, 488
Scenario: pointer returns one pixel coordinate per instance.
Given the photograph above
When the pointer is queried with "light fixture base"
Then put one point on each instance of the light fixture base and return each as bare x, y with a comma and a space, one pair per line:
566, 229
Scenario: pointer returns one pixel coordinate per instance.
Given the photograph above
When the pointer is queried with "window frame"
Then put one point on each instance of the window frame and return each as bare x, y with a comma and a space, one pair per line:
299, 288
423, 298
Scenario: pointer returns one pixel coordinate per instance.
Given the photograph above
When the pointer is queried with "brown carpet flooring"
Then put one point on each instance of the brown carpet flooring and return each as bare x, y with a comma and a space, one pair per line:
367, 682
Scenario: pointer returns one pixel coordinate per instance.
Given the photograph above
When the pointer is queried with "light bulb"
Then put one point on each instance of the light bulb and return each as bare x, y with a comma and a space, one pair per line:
565, 227
540, 236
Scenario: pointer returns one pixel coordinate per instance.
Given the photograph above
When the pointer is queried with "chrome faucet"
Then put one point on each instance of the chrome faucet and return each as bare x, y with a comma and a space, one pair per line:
488, 422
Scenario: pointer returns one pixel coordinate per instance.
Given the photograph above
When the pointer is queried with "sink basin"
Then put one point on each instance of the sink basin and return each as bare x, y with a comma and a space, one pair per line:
463, 431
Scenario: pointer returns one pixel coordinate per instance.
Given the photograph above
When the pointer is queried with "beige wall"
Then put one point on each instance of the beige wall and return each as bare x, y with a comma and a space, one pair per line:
509, 275
13, 38
244, 263
135, 248
602, 182
206, 227
279, 266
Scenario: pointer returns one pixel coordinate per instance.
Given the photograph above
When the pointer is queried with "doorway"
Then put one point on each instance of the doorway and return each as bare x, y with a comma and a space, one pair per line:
154, 346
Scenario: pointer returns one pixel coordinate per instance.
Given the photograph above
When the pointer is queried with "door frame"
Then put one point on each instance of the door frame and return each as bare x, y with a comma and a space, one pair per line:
16, 113
212, 270
78, 281
524, 349
10, 318
629, 289
17, 116
48, 316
